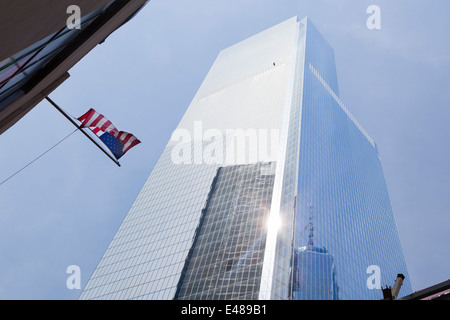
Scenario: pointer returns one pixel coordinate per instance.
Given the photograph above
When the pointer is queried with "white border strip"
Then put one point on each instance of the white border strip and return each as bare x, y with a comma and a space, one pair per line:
341, 104
267, 274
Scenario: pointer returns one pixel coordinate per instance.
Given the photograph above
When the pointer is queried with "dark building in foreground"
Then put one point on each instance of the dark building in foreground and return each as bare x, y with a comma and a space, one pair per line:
440, 291
37, 48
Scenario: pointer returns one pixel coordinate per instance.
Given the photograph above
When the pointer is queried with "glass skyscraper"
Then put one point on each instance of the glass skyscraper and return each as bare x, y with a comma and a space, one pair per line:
268, 189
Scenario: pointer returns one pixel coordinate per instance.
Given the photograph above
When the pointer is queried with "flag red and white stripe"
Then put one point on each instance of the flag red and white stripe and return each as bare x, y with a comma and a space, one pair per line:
100, 125
93, 119
128, 140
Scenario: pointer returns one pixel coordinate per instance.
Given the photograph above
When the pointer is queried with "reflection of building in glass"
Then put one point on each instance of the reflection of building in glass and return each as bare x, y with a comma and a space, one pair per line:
225, 260
196, 229
314, 273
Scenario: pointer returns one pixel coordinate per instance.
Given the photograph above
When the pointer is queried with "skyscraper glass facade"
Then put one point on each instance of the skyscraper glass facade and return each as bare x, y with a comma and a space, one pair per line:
268, 189
226, 258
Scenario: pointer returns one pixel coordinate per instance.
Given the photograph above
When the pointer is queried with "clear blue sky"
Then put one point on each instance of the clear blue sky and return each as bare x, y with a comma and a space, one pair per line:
66, 208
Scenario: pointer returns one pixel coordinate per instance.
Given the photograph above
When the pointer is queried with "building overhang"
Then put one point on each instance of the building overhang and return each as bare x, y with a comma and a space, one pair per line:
55, 71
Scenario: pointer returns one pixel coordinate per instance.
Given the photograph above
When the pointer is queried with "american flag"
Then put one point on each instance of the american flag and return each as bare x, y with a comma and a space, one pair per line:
119, 142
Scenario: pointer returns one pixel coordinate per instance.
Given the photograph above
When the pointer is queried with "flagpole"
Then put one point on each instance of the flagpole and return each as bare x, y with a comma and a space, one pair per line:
81, 129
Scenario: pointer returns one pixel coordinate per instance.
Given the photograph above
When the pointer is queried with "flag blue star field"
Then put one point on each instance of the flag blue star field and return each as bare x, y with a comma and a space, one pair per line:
113, 144
118, 142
